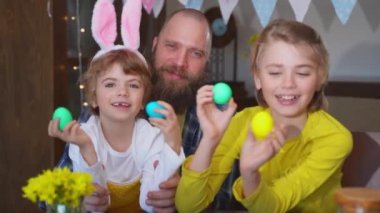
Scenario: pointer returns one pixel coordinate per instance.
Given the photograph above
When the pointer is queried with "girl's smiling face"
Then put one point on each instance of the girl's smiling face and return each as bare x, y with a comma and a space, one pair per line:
288, 78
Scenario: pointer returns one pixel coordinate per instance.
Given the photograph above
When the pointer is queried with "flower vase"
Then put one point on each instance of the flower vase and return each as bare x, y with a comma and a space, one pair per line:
60, 208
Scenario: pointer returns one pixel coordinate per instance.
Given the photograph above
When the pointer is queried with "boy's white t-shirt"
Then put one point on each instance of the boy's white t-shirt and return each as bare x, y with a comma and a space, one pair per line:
147, 146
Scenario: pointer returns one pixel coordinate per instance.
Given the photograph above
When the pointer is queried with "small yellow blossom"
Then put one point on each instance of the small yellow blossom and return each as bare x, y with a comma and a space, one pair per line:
253, 38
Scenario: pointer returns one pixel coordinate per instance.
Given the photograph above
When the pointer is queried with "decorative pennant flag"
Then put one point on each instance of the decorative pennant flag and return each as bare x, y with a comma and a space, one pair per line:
183, 2
226, 8
300, 8
148, 5
264, 10
194, 4
343, 9
157, 7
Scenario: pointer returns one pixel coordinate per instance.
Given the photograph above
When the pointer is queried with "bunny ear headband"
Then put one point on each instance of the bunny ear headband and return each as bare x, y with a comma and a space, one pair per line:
104, 29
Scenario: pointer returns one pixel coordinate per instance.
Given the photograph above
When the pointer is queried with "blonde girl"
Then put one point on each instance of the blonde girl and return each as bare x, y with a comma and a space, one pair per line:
297, 167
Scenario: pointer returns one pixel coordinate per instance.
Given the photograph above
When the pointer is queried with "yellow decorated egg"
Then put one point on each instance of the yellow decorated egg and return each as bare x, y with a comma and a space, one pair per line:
262, 124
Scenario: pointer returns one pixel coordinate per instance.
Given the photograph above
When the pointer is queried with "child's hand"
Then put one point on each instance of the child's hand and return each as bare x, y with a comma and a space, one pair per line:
255, 153
169, 126
72, 133
213, 121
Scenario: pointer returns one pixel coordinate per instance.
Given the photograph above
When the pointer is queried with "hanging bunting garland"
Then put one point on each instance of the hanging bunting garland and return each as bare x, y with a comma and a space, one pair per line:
158, 5
300, 8
194, 4
226, 8
264, 10
343, 9
222, 34
183, 2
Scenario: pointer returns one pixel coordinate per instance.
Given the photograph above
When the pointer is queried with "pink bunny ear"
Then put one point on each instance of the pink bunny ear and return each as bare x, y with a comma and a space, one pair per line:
130, 23
103, 24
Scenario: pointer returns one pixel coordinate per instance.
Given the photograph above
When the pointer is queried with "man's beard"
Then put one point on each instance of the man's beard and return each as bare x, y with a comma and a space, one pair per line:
178, 96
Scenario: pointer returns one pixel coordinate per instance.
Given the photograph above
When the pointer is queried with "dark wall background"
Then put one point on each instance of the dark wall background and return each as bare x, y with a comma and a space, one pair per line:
26, 82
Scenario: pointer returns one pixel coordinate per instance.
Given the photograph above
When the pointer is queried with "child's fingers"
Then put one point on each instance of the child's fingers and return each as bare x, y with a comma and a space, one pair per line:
276, 144
50, 128
231, 107
168, 111
53, 128
284, 130
250, 137
204, 99
205, 92
75, 129
163, 112
168, 128
69, 126
279, 135
167, 106
205, 88
161, 124
169, 116
277, 138
158, 122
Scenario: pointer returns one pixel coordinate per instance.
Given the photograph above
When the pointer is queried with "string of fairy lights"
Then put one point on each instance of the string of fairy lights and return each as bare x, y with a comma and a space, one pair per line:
79, 30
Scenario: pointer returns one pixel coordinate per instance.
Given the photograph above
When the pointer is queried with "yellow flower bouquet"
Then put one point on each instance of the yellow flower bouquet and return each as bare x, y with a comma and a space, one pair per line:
59, 188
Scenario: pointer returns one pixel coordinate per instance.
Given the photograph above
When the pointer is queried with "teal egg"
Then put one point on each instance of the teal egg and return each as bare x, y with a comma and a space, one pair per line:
222, 93
64, 116
151, 106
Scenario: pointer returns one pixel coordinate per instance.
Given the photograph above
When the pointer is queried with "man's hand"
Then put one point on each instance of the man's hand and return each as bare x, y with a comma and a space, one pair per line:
98, 201
163, 200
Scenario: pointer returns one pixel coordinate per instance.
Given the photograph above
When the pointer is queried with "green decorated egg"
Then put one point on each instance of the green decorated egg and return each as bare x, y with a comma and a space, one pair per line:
222, 93
64, 116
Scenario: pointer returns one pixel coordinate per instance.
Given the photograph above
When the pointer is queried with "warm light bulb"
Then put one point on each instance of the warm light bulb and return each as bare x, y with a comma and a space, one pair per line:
81, 86
73, 18
75, 67
85, 104
82, 30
